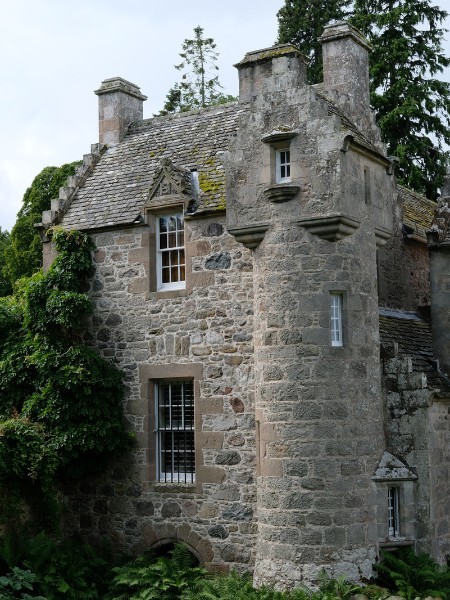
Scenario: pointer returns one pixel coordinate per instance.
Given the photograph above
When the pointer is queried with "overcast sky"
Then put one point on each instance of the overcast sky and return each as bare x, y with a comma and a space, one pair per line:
55, 53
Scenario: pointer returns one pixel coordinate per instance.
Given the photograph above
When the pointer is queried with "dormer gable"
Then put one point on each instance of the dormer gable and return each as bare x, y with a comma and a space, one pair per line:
172, 185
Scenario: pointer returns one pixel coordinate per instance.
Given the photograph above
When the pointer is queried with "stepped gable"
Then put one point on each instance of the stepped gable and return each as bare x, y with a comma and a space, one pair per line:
117, 190
413, 336
418, 212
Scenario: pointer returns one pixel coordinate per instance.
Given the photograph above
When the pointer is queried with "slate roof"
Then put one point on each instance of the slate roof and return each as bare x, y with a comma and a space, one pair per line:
413, 336
418, 211
118, 188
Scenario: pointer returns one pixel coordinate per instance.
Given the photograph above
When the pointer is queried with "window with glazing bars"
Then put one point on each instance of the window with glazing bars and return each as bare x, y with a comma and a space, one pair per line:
393, 511
171, 261
175, 431
336, 319
283, 165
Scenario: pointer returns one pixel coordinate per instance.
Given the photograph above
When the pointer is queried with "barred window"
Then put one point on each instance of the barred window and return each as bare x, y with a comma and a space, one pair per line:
175, 431
171, 261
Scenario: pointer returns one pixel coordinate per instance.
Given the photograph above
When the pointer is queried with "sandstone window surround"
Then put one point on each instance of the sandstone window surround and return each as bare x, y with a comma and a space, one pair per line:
150, 376
395, 502
174, 419
282, 162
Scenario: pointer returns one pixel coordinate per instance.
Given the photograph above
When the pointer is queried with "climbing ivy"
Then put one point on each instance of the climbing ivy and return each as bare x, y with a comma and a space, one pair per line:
61, 412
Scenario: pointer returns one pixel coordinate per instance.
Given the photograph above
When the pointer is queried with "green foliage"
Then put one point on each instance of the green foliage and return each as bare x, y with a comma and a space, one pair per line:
199, 86
69, 569
301, 22
61, 409
234, 587
164, 579
13, 584
411, 104
5, 241
413, 576
22, 254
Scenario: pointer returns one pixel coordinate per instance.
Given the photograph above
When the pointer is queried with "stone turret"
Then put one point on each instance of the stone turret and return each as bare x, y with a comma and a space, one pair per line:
119, 104
300, 204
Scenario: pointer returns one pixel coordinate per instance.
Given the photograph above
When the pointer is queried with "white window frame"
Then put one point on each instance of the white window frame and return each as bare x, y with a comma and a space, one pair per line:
161, 252
167, 428
393, 511
337, 330
283, 165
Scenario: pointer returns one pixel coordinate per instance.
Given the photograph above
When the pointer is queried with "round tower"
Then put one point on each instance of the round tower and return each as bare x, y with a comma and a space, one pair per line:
313, 203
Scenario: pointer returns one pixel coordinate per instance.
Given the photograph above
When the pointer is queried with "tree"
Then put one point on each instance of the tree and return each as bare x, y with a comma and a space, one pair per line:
411, 104
5, 285
301, 22
61, 411
23, 255
199, 86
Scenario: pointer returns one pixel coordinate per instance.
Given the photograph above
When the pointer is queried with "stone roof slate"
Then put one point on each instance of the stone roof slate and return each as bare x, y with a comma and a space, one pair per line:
116, 191
413, 336
418, 211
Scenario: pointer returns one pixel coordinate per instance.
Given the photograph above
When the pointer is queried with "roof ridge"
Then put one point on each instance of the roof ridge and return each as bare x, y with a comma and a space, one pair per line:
137, 125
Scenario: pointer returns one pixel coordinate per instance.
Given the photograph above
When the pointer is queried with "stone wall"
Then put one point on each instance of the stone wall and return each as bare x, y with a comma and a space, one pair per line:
403, 270
206, 332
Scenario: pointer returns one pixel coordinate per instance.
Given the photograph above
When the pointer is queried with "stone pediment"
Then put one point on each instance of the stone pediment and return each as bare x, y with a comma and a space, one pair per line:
171, 184
392, 468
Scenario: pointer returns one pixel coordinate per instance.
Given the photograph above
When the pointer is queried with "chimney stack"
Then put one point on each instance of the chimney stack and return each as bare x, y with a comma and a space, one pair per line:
274, 69
345, 54
119, 104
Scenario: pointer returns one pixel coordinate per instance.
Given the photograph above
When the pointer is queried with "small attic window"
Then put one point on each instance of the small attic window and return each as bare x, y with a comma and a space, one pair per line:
393, 511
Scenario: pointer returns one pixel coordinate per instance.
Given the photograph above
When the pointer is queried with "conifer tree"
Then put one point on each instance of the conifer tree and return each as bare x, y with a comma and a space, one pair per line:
301, 22
199, 86
412, 105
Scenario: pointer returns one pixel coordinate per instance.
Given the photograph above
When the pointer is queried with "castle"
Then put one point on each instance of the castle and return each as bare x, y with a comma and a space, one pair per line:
257, 278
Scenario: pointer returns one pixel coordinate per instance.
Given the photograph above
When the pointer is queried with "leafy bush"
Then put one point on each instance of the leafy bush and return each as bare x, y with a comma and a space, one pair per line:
61, 411
411, 576
165, 578
13, 584
69, 569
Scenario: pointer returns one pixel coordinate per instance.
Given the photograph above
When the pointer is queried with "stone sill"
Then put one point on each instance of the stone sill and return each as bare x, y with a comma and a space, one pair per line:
174, 488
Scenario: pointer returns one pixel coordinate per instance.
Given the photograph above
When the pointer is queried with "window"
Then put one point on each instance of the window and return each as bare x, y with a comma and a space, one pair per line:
367, 185
175, 431
170, 252
393, 512
336, 319
283, 165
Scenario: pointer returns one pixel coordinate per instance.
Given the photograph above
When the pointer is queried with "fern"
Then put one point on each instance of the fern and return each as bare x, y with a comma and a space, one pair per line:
163, 579
411, 576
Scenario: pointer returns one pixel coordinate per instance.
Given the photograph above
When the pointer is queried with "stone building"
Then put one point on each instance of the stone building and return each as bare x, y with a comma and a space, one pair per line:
243, 252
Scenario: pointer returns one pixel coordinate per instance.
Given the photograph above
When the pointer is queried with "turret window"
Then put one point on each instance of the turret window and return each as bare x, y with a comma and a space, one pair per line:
336, 319
283, 165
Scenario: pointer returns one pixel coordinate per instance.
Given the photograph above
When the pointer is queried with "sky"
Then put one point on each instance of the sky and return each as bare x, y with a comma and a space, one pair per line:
54, 54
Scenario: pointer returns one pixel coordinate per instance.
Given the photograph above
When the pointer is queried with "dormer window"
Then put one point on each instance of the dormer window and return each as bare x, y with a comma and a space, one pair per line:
170, 252
283, 165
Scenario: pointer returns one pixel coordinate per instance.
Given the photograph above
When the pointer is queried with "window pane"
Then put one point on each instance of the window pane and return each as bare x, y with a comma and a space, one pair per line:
172, 223
175, 437
172, 240
162, 224
165, 275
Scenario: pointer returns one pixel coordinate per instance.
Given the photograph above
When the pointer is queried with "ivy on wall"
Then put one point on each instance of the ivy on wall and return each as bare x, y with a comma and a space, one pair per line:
61, 403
